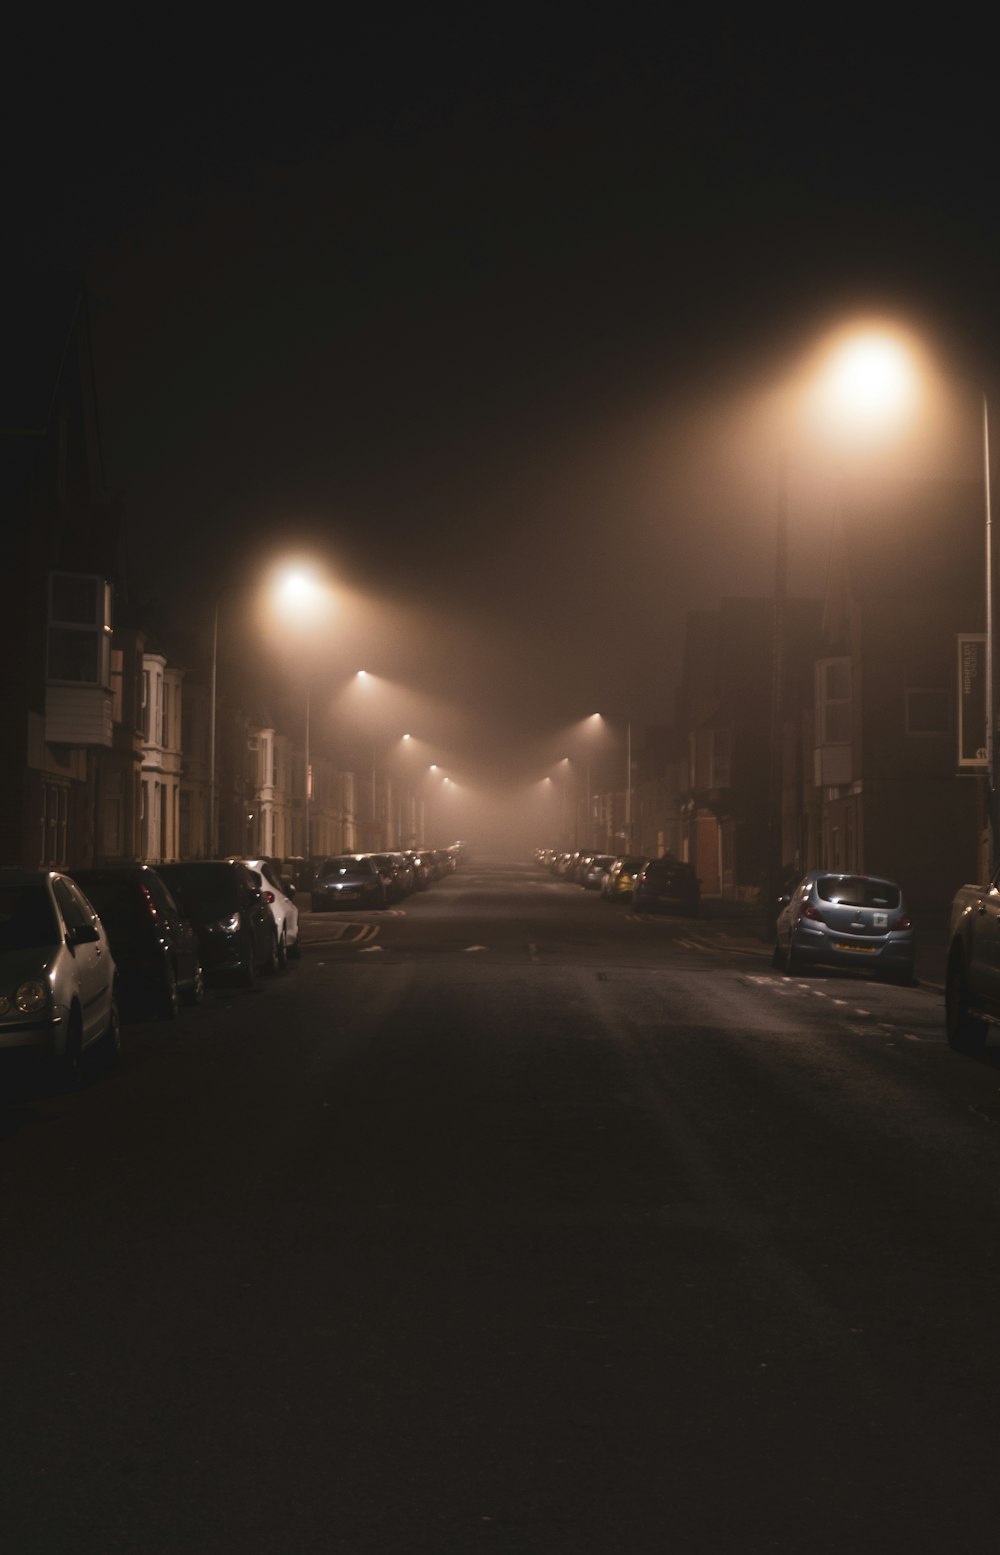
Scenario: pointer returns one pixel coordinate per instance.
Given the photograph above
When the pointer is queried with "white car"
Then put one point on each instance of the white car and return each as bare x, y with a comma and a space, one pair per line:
278, 896
58, 980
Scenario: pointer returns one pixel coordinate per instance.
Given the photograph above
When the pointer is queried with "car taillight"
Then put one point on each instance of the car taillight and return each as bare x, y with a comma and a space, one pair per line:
809, 911
905, 922
269, 896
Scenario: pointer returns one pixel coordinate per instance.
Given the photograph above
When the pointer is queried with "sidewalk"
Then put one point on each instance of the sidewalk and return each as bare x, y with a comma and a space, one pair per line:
741, 924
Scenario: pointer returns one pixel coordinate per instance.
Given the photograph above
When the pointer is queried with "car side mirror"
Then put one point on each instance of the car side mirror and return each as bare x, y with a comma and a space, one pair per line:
82, 934
784, 899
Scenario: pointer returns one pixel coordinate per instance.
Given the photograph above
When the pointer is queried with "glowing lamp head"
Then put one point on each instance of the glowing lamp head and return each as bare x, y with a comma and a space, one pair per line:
868, 382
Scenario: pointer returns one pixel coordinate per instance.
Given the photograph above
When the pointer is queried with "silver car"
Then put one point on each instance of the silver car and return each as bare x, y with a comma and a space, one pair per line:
845, 920
58, 995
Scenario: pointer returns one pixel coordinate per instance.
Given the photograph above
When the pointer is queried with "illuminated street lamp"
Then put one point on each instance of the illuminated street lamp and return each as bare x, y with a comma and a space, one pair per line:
868, 383
303, 599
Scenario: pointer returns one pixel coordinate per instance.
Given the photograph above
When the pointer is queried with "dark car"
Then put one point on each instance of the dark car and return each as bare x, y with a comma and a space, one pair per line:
388, 867
153, 943
667, 884
349, 880
231, 918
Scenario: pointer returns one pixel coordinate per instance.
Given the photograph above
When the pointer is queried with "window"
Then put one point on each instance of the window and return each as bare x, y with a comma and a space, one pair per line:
117, 684
79, 629
833, 701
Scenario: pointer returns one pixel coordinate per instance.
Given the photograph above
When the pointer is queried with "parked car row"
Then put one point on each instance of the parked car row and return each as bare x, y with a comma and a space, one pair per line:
376, 880
78, 949
652, 885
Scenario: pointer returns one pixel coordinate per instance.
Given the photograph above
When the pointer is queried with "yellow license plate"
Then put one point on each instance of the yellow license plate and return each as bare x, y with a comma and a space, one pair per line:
865, 950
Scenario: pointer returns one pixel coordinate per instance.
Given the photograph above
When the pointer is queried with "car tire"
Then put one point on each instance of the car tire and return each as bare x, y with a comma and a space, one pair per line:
195, 992
794, 964
111, 1042
247, 974
169, 999
69, 1064
966, 1033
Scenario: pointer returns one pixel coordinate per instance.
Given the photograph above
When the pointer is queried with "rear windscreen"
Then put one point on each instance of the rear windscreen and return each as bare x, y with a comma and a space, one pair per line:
856, 891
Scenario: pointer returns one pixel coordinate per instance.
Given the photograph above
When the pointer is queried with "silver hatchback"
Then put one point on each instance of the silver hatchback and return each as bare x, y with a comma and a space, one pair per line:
846, 920
58, 995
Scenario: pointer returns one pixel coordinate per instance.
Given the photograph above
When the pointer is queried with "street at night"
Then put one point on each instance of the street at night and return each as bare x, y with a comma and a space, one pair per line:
512, 1220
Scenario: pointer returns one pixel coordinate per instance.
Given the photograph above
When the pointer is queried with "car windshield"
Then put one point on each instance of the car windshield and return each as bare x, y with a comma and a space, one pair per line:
344, 869
27, 918
204, 890
857, 891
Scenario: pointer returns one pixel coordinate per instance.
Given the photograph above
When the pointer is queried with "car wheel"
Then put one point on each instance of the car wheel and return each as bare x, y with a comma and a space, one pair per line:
794, 965
111, 1042
196, 992
966, 1033
247, 972
69, 1064
169, 1001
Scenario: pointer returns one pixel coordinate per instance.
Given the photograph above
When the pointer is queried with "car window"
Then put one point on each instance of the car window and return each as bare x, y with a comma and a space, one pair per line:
114, 897
205, 890
857, 891
27, 921
73, 914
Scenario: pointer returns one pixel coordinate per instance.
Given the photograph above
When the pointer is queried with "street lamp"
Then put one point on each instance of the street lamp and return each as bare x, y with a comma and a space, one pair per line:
303, 598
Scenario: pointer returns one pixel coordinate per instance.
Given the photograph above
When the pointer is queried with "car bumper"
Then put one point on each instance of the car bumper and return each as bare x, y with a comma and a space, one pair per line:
829, 949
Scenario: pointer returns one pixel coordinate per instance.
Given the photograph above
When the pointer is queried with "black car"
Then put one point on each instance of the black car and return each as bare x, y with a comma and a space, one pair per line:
231, 917
154, 946
667, 883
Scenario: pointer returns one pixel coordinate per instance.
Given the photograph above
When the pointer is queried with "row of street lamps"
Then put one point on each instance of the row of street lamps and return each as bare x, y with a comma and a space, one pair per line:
303, 598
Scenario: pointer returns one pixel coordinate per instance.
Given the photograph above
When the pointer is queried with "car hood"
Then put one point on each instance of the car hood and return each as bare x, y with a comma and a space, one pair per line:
17, 966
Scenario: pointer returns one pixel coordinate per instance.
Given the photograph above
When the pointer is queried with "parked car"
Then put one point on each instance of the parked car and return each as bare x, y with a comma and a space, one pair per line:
231, 918
388, 866
619, 882
279, 895
153, 943
667, 884
593, 872
58, 979
845, 920
348, 880
422, 872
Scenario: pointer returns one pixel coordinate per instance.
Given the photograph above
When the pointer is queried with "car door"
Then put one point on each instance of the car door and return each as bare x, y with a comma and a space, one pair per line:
180, 935
94, 966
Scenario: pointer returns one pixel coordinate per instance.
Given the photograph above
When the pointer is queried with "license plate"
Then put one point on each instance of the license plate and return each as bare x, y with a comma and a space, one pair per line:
864, 950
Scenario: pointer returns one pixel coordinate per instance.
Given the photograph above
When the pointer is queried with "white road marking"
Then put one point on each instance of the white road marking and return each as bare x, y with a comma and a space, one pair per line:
469, 948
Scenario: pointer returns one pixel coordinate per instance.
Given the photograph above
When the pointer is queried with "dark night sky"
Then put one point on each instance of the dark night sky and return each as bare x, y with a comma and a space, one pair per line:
470, 308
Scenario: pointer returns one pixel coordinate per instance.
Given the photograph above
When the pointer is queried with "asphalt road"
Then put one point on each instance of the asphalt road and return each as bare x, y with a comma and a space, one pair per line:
509, 1221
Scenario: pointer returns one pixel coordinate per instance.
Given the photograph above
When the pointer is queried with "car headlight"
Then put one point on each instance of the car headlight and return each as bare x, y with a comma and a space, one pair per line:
228, 925
32, 996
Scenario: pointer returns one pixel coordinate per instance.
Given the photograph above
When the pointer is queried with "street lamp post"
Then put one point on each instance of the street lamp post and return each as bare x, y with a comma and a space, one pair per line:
991, 775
